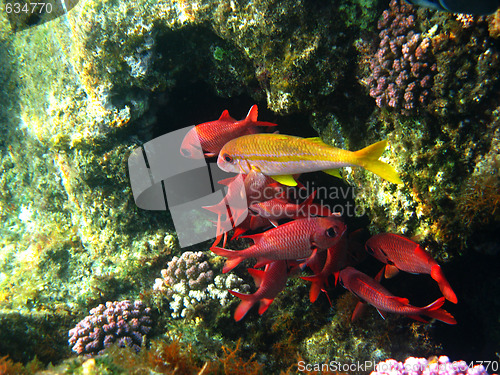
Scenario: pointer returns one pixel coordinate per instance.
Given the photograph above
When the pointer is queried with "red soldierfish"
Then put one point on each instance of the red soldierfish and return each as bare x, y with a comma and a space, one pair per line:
370, 291
211, 136
281, 156
298, 239
400, 253
270, 282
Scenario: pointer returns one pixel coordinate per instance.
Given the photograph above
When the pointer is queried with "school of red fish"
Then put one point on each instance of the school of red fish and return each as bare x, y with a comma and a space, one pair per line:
291, 236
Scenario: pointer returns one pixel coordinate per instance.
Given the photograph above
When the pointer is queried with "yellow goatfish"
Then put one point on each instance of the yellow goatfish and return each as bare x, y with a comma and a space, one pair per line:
281, 156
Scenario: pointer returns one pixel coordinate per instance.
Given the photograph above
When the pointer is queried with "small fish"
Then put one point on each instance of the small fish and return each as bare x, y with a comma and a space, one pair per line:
269, 282
477, 7
281, 156
370, 291
401, 253
211, 136
298, 239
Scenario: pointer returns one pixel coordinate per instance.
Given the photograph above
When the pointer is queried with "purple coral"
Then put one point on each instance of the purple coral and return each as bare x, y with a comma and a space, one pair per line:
422, 366
124, 323
403, 67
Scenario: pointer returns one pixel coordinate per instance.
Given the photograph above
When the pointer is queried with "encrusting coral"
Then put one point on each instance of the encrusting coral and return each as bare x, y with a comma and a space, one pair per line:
124, 323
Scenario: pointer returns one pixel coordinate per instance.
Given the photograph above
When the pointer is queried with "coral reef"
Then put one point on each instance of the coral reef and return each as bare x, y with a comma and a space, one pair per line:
79, 93
124, 323
420, 366
464, 86
188, 282
403, 67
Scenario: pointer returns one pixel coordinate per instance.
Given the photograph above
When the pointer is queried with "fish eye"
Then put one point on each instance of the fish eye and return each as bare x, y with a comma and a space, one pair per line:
330, 232
227, 158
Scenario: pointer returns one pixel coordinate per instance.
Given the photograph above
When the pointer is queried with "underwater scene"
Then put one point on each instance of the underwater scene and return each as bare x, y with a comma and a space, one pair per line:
250, 187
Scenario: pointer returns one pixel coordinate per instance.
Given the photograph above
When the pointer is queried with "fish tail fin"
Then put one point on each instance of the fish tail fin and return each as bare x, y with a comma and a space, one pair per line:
435, 311
233, 257
238, 232
247, 301
368, 159
219, 208
438, 275
316, 286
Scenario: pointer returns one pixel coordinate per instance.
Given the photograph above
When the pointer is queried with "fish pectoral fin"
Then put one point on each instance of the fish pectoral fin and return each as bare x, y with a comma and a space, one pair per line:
382, 314
390, 271
359, 310
286, 179
333, 172
256, 169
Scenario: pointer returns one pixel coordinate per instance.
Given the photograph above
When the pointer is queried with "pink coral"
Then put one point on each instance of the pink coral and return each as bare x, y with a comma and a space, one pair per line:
422, 366
403, 68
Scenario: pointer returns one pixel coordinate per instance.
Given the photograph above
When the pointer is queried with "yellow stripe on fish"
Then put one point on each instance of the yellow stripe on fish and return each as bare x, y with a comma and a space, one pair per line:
280, 156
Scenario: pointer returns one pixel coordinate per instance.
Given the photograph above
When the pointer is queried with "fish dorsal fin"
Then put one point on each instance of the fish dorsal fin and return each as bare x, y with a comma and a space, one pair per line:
253, 113
401, 300
390, 271
257, 275
333, 172
225, 116
287, 180
315, 140
422, 254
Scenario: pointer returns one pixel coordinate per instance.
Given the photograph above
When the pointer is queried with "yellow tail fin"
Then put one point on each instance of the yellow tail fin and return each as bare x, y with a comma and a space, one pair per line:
368, 159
